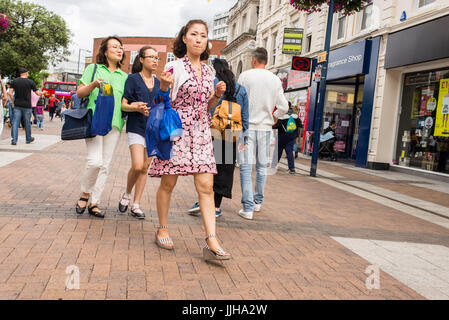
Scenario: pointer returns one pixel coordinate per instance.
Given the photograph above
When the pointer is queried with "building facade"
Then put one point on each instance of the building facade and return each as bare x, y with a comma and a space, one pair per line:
220, 27
242, 28
387, 78
164, 47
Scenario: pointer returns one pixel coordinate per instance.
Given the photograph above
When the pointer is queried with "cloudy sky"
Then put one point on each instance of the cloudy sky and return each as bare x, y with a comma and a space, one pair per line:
89, 19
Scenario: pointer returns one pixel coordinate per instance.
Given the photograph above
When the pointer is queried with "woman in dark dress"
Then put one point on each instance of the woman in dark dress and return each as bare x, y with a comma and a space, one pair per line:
141, 87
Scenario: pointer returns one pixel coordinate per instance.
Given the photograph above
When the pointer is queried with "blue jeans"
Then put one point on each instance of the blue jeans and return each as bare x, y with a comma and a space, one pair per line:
257, 151
40, 121
18, 114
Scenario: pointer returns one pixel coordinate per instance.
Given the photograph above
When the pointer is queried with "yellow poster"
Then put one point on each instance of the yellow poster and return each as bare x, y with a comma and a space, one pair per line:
442, 117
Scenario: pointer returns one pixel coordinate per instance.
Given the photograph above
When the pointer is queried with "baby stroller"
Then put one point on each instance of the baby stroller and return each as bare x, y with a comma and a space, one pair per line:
326, 149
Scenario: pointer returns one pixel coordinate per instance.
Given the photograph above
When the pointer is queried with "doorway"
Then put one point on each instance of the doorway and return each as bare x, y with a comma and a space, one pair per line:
343, 104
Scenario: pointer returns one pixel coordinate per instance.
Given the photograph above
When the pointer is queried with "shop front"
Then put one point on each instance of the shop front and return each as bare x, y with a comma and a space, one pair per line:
422, 129
296, 88
349, 98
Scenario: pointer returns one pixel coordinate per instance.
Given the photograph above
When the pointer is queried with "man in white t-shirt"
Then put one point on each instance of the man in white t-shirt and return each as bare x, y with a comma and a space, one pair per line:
264, 93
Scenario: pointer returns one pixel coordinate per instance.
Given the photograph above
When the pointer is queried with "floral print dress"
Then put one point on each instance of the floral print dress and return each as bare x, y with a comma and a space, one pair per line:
193, 152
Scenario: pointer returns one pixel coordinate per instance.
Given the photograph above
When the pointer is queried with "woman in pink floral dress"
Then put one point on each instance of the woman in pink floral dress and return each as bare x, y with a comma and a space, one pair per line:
192, 154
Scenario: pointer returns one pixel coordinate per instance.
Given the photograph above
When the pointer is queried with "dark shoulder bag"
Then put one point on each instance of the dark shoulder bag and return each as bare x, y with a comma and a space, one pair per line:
78, 122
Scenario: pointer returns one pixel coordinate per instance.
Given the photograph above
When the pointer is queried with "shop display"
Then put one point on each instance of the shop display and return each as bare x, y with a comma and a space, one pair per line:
423, 140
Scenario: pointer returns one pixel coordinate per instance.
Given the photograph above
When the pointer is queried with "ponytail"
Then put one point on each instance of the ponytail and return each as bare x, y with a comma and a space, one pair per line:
137, 65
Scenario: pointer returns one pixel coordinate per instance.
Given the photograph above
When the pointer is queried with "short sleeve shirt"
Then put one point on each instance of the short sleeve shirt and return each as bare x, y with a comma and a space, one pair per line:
117, 80
137, 91
22, 92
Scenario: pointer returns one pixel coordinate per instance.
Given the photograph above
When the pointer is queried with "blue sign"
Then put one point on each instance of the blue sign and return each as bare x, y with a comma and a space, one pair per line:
403, 16
348, 61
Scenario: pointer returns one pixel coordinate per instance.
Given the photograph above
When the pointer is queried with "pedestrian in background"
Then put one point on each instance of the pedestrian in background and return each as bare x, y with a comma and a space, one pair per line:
224, 179
193, 96
10, 104
22, 87
40, 114
75, 102
264, 93
100, 149
52, 103
141, 88
287, 137
3, 100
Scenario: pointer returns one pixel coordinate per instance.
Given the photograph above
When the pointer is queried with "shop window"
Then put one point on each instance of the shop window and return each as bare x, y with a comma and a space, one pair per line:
423, 130
423, 3
367, 16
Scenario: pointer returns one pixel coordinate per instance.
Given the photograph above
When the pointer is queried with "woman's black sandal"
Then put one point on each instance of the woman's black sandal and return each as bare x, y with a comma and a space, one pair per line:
97, 214
80, 210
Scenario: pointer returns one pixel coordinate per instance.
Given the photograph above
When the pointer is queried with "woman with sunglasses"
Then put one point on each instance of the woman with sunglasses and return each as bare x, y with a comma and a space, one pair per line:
100, 149
140, 90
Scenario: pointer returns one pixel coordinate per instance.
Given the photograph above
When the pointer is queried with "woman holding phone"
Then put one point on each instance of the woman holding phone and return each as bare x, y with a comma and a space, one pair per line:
100, 149
141, 87
193, 96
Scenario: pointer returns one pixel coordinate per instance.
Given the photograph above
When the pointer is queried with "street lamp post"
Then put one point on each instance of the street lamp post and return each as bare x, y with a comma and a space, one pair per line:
79, 56
322, 93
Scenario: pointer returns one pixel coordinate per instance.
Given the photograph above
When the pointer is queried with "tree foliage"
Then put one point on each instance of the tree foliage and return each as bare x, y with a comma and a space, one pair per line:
36, 38
345, 6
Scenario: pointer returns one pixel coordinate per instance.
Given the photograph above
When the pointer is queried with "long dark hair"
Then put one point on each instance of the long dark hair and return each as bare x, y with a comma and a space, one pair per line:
101, 56
137, 65
224, 73
180, 48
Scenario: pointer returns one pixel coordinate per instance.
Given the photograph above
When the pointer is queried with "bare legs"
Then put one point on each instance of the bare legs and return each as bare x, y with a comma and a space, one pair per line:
204, 186
137, 175
168, 183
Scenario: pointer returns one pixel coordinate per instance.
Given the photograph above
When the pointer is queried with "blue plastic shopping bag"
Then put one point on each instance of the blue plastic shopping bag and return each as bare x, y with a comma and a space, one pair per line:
155, 146
102, 118
171, 125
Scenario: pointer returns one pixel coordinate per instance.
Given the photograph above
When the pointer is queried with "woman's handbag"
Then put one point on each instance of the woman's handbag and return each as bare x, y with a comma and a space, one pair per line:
171, 125
155, 146
78, 122
104, 112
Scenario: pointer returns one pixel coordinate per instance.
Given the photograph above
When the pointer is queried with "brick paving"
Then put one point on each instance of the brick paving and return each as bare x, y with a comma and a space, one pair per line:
286, 252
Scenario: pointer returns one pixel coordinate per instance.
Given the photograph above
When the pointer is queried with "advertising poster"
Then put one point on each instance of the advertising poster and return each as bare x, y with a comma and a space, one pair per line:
442, 116
292, 43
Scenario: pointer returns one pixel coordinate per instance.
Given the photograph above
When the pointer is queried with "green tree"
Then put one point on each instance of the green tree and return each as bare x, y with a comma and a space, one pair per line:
36, 38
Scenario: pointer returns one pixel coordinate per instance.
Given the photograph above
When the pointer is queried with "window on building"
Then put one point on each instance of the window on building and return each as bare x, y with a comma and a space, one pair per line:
133, 56
423, 3
308, 43
367, 16
243, 23
275, 36
257, 12
341, 26
170, 56
234, 31
265, 43
310, 22
211, 59
269, 7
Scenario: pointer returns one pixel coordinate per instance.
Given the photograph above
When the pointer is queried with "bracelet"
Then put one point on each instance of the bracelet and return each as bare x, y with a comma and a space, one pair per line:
218, 97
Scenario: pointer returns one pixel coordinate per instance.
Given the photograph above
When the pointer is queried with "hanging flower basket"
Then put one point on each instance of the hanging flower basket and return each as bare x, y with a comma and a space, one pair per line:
345, 6
4, 24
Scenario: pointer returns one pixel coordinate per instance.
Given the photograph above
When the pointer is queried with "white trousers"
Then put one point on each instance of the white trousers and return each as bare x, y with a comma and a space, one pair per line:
100, 150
